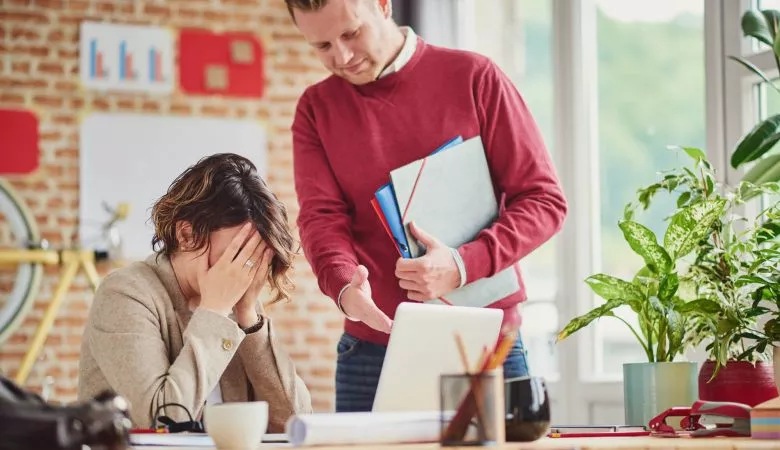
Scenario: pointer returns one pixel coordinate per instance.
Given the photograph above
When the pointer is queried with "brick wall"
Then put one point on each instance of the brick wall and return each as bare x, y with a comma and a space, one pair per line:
39, 71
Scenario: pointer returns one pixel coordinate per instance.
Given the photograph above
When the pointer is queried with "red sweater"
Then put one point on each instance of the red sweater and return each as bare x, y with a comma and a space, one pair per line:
347, 139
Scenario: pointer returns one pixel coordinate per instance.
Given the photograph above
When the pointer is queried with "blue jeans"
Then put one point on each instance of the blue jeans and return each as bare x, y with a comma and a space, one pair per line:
359, 364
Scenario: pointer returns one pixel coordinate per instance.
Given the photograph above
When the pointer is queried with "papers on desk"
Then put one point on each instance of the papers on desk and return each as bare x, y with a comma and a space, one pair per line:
188, 439
364, 428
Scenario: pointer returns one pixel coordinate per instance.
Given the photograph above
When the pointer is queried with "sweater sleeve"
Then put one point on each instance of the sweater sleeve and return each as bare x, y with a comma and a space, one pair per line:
523, 174
126, 342
273, 377
324, 216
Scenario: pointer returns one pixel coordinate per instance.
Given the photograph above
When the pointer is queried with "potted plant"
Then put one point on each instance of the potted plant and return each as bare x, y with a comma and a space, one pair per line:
694, 289
656, 295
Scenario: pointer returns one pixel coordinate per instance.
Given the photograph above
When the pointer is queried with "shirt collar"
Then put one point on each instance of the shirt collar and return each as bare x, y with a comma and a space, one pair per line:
406, 53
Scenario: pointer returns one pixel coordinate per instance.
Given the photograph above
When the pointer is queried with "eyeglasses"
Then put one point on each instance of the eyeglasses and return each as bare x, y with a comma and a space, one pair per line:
171, 426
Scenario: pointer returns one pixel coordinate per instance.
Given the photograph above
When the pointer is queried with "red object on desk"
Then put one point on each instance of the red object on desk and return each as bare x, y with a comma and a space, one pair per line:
148, 431
599, 434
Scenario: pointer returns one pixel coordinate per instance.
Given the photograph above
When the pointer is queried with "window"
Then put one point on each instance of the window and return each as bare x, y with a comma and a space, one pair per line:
651, 94
517, 35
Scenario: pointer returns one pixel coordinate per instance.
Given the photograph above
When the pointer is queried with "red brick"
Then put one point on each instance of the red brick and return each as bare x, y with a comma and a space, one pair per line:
100, 105
215, 16
151, 106
181, 108
20, 33
24, 17
156, 10
50, 101
14, 99
64, 119
63, 53
54, 68
51, 4
21, 67
214, 111
66, 86
27, 50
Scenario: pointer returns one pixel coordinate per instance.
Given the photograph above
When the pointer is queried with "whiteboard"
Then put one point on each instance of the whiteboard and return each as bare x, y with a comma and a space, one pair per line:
134, 158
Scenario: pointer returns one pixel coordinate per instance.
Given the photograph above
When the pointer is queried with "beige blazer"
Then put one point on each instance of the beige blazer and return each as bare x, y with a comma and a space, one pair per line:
143, 342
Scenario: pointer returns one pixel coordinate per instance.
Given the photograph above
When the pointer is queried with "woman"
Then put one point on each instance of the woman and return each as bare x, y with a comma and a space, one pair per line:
185, 326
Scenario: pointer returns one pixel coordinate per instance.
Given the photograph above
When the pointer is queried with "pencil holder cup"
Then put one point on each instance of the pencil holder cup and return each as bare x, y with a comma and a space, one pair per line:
472, 409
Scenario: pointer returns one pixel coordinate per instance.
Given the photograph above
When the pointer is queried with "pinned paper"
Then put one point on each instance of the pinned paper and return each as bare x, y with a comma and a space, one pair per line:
216, 77
241, 52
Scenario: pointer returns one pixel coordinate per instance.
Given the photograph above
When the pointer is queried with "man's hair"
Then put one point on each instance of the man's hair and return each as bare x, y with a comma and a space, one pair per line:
304, 5
220, 191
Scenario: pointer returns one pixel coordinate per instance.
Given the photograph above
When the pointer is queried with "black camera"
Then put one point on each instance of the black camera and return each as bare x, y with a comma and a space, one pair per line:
27, 421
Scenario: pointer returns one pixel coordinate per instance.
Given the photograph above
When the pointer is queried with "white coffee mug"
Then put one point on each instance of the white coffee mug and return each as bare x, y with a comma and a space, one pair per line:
236, 425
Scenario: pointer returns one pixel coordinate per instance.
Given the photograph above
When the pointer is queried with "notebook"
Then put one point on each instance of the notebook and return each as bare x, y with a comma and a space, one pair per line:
390, 216
450, 195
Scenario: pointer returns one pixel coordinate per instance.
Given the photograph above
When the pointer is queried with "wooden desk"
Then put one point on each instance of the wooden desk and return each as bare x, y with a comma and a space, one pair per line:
629, 443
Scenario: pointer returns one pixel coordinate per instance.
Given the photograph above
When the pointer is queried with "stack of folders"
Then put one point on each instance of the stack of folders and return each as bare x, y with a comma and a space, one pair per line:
450, 195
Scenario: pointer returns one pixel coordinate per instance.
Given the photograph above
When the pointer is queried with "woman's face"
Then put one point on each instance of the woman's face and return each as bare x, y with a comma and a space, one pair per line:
219, 241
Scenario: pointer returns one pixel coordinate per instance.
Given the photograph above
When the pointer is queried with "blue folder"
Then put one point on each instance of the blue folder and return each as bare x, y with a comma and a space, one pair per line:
385, 196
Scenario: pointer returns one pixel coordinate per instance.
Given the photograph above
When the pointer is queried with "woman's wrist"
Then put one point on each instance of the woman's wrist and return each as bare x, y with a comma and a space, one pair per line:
246, 317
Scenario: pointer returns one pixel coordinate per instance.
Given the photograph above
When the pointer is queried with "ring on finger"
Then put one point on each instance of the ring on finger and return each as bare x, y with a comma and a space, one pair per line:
249, 264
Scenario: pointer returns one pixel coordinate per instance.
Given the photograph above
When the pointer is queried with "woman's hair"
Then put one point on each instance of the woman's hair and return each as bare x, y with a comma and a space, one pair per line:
220, 191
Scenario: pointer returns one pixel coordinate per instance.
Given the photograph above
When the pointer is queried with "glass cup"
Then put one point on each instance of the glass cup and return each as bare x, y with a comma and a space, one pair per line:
472, 409
527, 409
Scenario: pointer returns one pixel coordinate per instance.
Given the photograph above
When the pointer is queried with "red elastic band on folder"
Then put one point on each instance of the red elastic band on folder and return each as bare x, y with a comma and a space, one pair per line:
414, 189
409, 203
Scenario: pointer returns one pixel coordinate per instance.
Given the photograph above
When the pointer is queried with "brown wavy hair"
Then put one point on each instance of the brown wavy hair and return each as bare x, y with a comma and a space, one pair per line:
220, 191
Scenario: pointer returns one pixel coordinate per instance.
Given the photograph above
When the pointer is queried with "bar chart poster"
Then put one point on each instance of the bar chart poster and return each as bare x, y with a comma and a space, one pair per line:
122, 57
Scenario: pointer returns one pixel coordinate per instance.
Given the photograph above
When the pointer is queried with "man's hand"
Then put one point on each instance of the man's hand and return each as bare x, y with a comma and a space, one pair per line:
430, 276
357, 303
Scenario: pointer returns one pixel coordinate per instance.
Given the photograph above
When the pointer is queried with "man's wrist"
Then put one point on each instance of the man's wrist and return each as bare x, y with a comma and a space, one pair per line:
461, 265
341, 307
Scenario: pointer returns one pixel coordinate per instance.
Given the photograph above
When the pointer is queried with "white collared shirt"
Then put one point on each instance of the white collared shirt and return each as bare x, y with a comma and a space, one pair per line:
406, 53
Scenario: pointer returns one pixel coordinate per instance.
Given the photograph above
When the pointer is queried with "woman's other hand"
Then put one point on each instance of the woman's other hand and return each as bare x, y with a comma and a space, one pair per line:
246, 309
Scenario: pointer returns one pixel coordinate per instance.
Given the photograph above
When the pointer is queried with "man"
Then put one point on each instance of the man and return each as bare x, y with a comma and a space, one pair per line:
392, 99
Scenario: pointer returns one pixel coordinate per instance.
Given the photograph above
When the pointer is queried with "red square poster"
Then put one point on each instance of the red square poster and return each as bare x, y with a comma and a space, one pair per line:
18, 142
229, 64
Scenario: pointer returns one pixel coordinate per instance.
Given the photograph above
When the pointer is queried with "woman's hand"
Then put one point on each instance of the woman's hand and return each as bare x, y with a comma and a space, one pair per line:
246, 308
223, 284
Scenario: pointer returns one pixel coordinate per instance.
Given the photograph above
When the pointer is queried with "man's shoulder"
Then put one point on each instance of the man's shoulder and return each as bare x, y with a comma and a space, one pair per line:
457, 60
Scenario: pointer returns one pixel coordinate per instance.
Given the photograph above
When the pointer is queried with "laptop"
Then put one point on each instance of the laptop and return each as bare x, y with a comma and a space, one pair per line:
422, 346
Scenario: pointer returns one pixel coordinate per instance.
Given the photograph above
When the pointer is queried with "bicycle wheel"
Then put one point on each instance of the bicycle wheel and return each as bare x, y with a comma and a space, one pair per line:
27, 278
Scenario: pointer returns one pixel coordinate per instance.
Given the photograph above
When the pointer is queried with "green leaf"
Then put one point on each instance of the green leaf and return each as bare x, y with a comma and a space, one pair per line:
701, 305
750, 66
768, 232
683, 199
754, 25
584, 320
696, 153
643, 241
675, 333
669, 286
691, 225
756, 312
765, 170
611, 288
759, 140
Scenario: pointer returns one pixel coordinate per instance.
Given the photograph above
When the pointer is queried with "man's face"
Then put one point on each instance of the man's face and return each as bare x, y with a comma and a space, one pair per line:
350, 37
